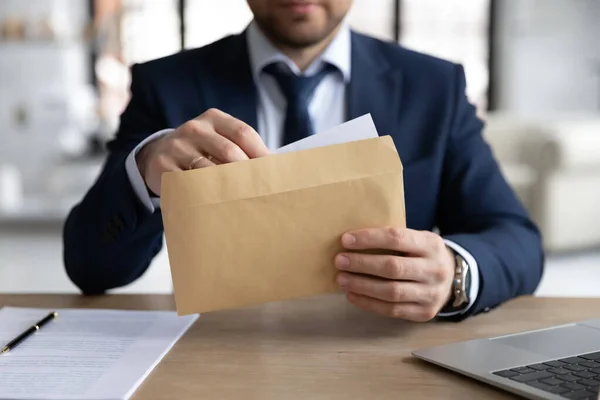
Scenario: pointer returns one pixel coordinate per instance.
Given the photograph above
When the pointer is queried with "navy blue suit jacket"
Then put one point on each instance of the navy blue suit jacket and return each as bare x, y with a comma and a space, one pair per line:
452, 180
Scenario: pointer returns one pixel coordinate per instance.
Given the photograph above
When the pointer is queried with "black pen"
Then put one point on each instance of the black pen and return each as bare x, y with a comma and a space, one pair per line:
15, 342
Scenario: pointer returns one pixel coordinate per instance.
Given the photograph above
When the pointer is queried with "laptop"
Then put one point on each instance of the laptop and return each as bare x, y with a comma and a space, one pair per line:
561, 362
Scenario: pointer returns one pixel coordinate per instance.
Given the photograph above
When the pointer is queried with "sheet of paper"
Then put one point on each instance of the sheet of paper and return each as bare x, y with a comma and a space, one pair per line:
356, 129
84, 354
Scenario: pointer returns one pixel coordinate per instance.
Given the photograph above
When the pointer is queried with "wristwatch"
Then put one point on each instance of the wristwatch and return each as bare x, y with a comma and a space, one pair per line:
461, 285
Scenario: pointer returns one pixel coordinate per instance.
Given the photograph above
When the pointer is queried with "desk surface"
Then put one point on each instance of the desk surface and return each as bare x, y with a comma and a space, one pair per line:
319, 348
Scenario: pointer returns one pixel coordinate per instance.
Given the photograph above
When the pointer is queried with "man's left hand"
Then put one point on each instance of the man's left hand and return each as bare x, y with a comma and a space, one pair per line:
413, 284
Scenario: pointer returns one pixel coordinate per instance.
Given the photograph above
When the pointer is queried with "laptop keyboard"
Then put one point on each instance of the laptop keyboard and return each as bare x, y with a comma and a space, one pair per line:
572, 378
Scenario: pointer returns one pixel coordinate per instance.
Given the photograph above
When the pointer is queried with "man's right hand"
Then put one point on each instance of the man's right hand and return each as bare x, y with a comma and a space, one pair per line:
212, 138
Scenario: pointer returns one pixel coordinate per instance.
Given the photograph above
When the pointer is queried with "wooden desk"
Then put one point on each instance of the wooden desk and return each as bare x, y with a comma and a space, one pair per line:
320, 348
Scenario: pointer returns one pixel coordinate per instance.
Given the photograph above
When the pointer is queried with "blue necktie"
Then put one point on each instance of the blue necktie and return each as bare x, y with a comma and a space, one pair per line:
298, 91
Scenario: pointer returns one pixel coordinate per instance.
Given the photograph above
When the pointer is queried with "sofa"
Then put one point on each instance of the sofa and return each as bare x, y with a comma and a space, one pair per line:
553, 164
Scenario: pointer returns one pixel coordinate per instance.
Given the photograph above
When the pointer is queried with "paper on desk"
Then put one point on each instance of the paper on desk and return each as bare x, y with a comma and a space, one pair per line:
268, 229
84, 354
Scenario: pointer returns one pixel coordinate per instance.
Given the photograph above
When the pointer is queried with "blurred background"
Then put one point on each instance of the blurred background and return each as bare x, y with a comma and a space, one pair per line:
532, 66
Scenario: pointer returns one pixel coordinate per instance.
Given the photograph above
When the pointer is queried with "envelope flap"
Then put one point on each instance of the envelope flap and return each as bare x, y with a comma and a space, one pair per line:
279, 173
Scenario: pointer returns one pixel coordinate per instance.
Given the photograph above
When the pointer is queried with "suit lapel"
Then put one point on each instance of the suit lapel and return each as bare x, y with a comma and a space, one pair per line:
375, 87
229, 85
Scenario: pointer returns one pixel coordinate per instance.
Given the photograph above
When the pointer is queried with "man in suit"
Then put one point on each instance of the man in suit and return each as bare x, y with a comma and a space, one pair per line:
298, 69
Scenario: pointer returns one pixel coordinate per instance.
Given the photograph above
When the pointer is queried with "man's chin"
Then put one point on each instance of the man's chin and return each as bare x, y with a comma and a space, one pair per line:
302, 37
298, 33
300, 42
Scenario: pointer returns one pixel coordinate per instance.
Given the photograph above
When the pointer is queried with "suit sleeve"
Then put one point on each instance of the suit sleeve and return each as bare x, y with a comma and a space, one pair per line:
479, 211
110, 237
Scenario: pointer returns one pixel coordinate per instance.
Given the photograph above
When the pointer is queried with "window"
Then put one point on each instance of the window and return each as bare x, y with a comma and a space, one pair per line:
128, 32
150, 29
456, 30
373, 17
209, 20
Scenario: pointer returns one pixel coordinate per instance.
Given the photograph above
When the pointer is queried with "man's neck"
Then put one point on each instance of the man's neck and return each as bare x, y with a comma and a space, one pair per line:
303, 57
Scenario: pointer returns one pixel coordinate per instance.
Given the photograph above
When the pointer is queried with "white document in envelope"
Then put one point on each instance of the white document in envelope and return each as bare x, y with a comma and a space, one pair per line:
356, 129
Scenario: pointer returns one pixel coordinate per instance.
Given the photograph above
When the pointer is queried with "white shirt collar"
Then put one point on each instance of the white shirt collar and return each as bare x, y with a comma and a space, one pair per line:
263, 53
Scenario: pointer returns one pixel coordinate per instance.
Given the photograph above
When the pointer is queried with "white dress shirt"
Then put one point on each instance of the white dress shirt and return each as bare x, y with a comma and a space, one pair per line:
326, 108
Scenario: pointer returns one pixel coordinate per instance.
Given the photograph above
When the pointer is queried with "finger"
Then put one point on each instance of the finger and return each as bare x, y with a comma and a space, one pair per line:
383, 289
384, 266
165, 163
185, 155
200, 162
208, 142
240, 133
406, 311
388, 238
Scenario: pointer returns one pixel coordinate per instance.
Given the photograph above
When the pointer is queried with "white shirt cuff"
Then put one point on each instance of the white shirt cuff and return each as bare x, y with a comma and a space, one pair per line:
135, 177
474, 269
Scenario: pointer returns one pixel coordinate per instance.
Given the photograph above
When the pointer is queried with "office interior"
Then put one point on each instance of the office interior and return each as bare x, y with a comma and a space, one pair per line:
532, 68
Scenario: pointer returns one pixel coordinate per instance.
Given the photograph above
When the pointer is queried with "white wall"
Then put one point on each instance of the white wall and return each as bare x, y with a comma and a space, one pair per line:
549, 56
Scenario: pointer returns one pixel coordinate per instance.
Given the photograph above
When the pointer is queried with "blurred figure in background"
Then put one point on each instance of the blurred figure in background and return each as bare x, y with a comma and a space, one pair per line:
296, 70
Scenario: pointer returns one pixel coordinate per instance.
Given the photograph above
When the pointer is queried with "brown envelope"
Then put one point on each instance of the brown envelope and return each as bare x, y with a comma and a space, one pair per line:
268, 229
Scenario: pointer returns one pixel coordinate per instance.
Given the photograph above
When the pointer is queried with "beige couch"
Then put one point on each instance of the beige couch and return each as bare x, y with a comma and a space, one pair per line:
554, 166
